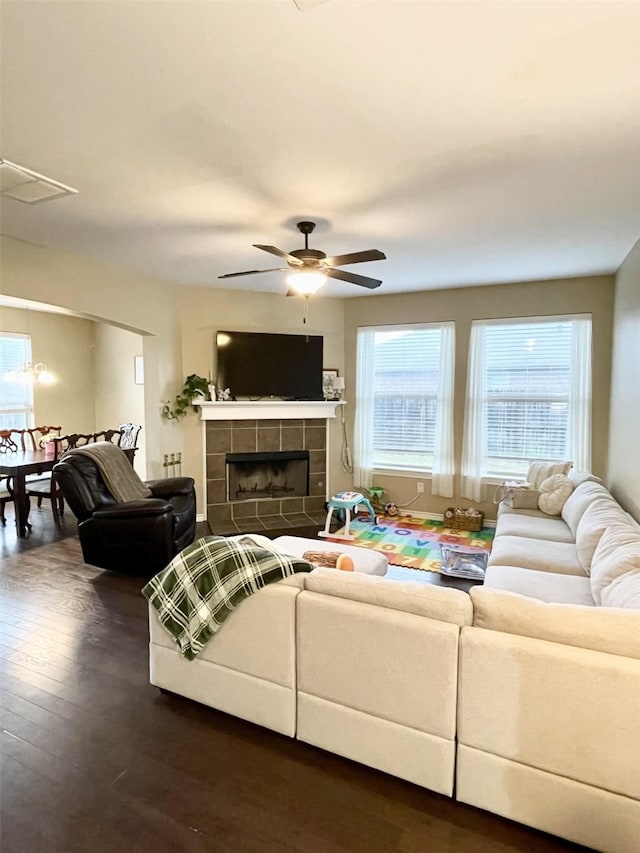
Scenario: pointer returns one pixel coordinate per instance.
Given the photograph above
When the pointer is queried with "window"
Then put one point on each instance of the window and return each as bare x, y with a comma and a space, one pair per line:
404, 395
528, 397
16, 398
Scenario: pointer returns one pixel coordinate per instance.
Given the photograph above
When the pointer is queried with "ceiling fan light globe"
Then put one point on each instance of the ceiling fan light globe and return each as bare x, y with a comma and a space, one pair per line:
306, 283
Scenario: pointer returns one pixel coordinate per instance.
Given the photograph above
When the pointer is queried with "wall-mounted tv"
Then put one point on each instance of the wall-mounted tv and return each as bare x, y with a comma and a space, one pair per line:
258, 364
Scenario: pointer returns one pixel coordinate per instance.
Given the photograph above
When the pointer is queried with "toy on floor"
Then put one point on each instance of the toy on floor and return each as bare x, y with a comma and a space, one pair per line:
346, 501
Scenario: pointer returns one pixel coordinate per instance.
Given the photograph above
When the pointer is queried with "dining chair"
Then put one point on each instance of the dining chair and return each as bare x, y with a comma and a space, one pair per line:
125, 437
38, 487
107, 435
36, 437
7, 442
62, 443
6, 496
129, 436
7, 445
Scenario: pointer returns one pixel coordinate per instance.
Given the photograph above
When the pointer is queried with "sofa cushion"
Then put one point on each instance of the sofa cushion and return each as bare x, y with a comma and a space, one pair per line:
579, 500
624, 591
539, 471
434, 602
546, 586
535, 527
617, 554
602, 629
554, 492
505, 509
601, 513
532, 553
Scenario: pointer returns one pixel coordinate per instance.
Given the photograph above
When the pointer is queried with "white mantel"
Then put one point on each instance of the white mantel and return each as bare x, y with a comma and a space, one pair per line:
247, 410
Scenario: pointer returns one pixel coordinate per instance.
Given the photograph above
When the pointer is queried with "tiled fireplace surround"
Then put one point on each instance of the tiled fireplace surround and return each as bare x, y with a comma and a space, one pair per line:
255, 436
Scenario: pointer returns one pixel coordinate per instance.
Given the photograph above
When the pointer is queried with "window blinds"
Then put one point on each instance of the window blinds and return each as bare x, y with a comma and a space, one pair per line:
16, 398
406, 376
528, 387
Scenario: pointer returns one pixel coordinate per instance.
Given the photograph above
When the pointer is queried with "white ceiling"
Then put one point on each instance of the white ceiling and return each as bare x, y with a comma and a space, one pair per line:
472, 142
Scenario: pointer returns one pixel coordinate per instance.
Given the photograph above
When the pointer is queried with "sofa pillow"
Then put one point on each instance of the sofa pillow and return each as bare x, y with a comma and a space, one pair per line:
579, 500
598, 628
617, 554
554, 492
364, 560
600, 513
539, 471
580, 477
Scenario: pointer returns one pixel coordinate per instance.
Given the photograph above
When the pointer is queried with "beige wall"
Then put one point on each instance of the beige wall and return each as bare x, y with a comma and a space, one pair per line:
124, 298
117, 397
571, 296
66, 345
623, 473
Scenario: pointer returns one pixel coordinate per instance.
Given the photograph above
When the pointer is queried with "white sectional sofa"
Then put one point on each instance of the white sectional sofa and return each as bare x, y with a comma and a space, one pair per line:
522, 698
549, 689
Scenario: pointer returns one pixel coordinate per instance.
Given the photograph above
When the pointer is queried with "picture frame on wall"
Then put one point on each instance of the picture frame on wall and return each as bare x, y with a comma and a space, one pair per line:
329, 392
138, 369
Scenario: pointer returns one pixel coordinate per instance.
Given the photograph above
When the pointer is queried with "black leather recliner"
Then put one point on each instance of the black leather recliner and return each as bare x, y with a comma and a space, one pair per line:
137, 536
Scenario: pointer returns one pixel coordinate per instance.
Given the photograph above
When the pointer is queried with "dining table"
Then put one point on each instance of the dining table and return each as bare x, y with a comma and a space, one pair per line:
17, 465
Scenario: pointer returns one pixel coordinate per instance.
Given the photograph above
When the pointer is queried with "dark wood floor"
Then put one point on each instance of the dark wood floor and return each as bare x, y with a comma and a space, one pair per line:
95, 759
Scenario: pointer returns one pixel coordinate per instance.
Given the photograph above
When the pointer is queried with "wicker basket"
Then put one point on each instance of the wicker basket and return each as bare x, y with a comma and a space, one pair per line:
455, 518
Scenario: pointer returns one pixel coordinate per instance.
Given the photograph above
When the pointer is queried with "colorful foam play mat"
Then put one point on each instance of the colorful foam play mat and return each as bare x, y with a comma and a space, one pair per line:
413, 543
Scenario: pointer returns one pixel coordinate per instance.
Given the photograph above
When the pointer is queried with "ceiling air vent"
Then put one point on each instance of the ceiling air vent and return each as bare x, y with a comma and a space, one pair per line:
29, 187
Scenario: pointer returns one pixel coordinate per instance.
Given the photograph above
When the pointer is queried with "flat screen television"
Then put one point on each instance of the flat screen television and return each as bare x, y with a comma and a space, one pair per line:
258, 364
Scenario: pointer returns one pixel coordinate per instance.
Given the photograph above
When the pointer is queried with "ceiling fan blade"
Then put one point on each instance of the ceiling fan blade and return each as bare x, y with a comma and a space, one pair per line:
352, 278
356, 258
290, 259
251, 272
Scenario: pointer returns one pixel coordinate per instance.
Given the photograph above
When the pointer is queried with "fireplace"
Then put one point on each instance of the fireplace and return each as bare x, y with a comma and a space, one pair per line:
278, 474
287, 494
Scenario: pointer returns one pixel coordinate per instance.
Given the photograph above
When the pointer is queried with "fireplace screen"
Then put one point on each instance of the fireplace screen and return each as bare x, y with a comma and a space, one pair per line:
283, 474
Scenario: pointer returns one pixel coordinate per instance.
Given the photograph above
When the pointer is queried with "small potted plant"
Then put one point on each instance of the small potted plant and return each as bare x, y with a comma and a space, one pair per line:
375, 493
194, 386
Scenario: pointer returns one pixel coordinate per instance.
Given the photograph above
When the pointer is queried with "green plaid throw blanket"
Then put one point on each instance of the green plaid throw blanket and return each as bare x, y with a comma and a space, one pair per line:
206, 581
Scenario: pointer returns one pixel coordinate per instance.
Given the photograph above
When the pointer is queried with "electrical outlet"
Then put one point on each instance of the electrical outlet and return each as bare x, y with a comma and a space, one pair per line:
420, 488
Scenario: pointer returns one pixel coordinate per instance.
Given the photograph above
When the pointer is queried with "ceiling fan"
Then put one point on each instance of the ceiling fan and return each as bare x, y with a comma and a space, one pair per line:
309, 268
